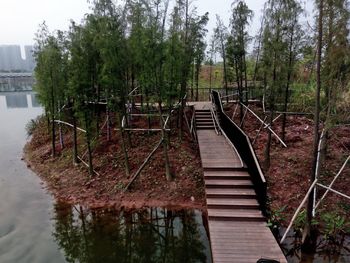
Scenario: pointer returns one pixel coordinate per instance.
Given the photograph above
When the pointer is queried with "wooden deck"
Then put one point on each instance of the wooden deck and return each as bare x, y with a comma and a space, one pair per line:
238, 231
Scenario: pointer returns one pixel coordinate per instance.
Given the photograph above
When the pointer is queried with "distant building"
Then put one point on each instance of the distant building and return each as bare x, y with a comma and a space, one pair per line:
11, 59
30, 62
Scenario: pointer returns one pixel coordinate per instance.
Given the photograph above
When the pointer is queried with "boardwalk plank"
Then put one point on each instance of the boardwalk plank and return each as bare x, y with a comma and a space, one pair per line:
238, 231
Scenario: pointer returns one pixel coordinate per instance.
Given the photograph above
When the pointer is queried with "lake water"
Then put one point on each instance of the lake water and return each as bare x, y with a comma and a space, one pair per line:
25, 208
36, 229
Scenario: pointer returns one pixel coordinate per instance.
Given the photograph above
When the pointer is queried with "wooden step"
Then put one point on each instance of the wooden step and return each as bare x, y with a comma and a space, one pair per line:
198, 117
222, 168
203, 112
211, 183
201, 116
232, 203
230, 193
205, 128
204, 120
235, 214
227, 175
204, 124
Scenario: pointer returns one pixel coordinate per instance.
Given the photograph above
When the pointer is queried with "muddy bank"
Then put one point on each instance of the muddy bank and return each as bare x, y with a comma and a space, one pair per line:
288, 175
72, 184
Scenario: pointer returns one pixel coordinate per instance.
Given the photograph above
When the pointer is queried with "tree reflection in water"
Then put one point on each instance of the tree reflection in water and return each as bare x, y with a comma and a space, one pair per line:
149, 235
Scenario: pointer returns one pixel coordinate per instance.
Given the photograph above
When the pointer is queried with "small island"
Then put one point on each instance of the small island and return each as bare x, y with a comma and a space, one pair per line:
126, 91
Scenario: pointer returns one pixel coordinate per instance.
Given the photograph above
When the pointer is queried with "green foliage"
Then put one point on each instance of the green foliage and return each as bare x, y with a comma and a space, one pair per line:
300, 221
50, 71
282, 41
334, 225
32, 125
276, 218
237, 44
302, 97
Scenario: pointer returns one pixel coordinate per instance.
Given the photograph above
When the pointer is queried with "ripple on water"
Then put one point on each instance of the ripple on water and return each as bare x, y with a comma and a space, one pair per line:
6, 230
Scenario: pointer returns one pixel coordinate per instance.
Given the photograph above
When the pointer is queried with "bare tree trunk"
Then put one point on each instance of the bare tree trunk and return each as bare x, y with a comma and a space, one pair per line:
267, 151
192, 79
272, 108
225, 68
88, 142
125, 152
330, 82
165, 145
48, 123
97, 111
198, 67
147, 109
75, 143
290, 64
245, 79
184, 74
258, 53
108, 125
210, 77
60, 128
307, 240
240, 94
53, 132
53, 137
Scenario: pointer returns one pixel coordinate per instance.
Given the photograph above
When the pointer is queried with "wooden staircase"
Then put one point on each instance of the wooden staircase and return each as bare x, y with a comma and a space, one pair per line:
238, 231
204, 120
229, 189
231, 196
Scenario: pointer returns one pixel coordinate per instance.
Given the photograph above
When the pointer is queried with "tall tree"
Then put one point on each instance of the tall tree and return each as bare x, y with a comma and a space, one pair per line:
277, 55
50, 75
84, 77
112, 44
294, 36
221, 34
332, 75
307, 230
335, 66
241, 15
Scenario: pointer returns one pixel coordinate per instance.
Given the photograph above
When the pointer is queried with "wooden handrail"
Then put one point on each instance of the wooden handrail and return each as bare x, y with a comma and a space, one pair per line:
246, 151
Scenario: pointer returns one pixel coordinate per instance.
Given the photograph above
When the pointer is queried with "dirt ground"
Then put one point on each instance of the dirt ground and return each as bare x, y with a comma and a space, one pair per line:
288, 175
73, 184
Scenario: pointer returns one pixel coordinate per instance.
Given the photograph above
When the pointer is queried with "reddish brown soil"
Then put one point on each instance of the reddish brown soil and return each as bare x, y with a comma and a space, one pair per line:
73, 184
288, 175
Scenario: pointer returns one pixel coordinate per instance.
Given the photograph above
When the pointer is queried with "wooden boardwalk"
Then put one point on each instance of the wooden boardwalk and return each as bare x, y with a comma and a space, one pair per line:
238, 231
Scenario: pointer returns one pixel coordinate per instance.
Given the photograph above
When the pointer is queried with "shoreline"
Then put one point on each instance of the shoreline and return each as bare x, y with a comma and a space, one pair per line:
125, 203
71, 184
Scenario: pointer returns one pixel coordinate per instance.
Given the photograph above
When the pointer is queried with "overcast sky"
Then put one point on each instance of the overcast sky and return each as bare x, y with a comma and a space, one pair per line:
19, 19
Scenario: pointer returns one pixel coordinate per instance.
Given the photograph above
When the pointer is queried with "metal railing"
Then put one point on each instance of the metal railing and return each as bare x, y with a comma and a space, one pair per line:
245, 149
216, 122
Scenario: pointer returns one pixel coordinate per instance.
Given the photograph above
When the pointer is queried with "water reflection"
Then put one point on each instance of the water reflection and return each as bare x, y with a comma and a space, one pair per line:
25, 208
150, 235
16, 82
35, 102
324, 251
18, 100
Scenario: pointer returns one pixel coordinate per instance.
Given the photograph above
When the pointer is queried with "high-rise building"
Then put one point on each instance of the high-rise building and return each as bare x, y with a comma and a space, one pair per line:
30, 62
11, 59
